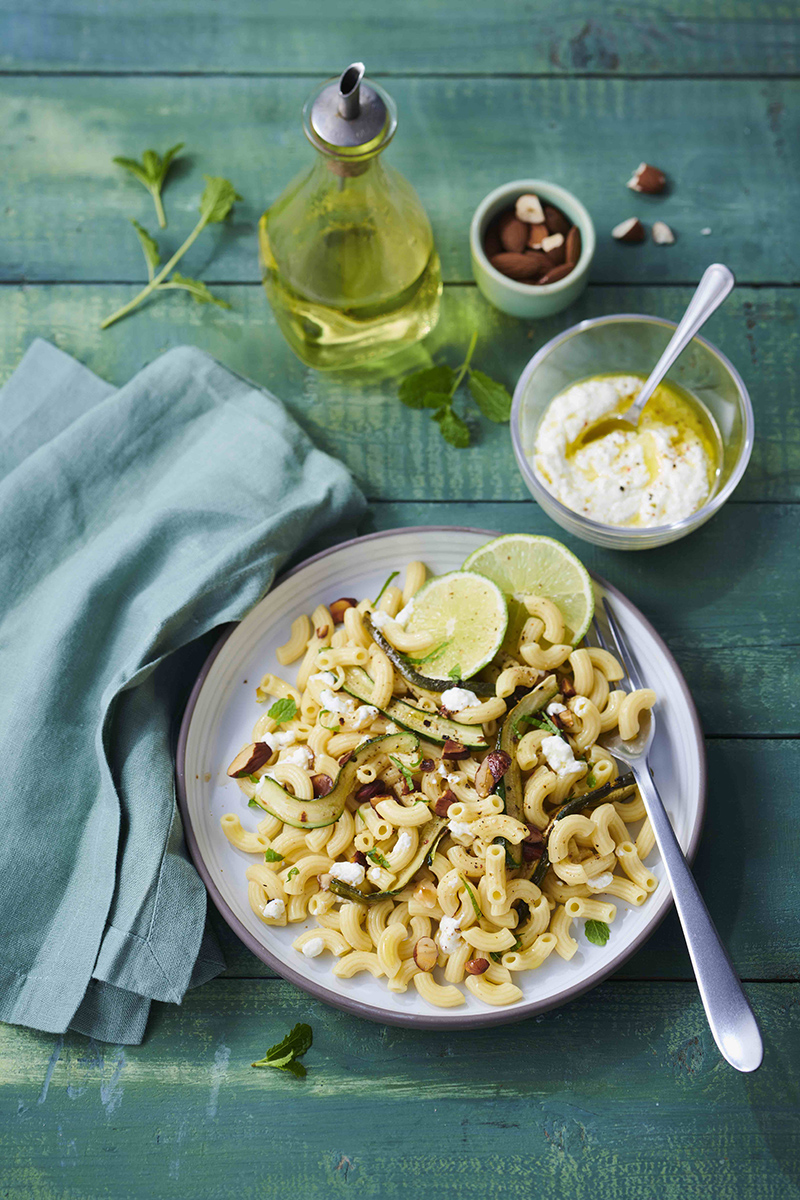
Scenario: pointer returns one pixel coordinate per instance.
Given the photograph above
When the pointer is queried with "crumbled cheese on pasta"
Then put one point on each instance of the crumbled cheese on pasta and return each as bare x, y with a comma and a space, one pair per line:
459, 828
364, 715
405, 614
352, 873
442, 769
580, 706
334, 702
449, 935
374, 874
274, 909
326, 677
301, 757
453, 778
600, 882
404, 840
380, 619
392, 728
560, 757
455, 699
554, 708
313, 947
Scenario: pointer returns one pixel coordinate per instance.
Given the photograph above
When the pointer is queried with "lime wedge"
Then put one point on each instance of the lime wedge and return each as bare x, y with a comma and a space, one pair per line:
524, 564
465, 616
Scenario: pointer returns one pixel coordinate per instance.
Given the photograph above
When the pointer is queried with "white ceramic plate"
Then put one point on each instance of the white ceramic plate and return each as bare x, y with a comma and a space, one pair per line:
222, 711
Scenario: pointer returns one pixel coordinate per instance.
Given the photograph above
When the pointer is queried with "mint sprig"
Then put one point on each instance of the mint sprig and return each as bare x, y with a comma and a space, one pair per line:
216, 202
597, 932
152, 173
285, 1054
436, 387
283, 710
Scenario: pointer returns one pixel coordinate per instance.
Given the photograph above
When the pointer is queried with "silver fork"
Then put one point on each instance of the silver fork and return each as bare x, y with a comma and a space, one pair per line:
729, 1014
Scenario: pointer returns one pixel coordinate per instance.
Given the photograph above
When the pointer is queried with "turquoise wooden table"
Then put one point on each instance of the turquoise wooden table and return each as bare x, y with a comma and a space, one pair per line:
622, 1093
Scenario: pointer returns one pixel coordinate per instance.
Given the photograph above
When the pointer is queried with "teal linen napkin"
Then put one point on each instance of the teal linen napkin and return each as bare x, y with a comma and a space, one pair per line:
132, 523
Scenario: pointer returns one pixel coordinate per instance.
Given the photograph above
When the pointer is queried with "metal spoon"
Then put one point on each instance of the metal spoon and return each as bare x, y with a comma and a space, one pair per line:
716, 284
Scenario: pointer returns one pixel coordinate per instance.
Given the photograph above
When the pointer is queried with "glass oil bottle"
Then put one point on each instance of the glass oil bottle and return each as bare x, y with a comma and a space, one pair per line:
347, 253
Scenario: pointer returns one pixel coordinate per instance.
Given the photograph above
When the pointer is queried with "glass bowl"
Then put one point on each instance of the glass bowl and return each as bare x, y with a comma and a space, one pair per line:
629, 343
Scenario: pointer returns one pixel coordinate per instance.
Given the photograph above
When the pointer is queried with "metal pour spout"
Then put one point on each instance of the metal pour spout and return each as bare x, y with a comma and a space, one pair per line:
349, 91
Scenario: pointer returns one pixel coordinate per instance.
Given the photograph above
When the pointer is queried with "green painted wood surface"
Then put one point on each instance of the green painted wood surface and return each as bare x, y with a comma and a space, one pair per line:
753, 905
457, 139
620, 1094
397, 459
554, 37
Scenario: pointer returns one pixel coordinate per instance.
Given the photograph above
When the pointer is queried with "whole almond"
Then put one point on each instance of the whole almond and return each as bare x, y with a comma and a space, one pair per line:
529, 208
477, 966
556, 274
426, 952
573, 245
536, 236
522, 267
647, 179
513, 233
555, 220
662, 234
555, 249
491, 242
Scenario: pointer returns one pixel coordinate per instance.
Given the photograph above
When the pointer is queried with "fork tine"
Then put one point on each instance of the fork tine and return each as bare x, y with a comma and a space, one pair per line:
598, 634
623, 649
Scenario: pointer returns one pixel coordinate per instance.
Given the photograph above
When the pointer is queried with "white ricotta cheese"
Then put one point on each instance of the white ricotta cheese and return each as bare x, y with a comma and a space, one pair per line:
449, 935
364, 715
274, 909
403, 843
560, 757
313, 947
334, 702
459, 828
326, 677
554, 707
654, 475
352, 873
404, 616
456, 698
600, 882
374, 875
301, 757
380, 619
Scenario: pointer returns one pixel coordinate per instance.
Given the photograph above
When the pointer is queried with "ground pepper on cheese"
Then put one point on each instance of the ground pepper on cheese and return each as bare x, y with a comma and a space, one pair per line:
657, 474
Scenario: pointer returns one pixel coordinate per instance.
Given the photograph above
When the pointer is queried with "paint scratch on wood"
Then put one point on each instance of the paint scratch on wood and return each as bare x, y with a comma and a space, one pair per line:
111, 1092
51, 1066
218, 1071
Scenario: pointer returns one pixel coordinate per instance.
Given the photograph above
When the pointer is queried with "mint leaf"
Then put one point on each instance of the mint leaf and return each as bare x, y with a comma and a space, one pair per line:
379, 858
218, 199
404, 771
437, 652
393, 575
152, 172
149, 247
285, 1054
196, 289
591, 780
271, 855
294, 871
455, 672
414, 388
453, 429
491, 397
253, 803
471, 894
283, 710
597, 932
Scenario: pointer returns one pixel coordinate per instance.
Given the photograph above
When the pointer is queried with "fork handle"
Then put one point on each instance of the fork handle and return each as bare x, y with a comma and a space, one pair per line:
729, 1014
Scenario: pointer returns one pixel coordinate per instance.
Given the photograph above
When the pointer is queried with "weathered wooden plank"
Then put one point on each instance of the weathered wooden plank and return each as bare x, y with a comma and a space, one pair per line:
730, 147
693, 37
751, 826
549, 1105
356, 415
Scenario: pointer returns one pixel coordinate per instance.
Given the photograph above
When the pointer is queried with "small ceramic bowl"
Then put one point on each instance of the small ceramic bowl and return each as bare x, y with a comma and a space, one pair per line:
629, 343
530, 299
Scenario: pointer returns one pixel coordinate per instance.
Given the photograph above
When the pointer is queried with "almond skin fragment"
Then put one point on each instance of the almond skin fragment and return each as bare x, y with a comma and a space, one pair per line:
368, 790
250, 759
376, 800
322, 784
536, 236
662, 234
426, 953
513, 233
476, 966
442, 805
574, 245
490, 772
556, 274
629, 231
340, 607
647, 179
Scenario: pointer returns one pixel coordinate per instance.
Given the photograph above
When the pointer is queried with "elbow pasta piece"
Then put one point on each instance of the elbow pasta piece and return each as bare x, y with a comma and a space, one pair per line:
591, 910
455, 966
550, 615
540, 786
446, 996
416, 574
400, 981
496, 876
603, 660
298, 640
307, 868
500, 825
563, 831
342, 656
488, 940
600, 690
354, 628
533, 957
529, 748
257, 897
634, 704
634, 868
357, 961
609, 714
589, 719
560, 925
351, 916
626, 889
377, 917
242, 839
391, 600
389, 948
273, 685
582, 671
382, 673
492, 993
402, 815
545, 660
513, 677
478, 714
646, 840
610, 829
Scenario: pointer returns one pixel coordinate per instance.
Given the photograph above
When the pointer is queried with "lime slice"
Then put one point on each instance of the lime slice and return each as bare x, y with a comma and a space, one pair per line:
465, 615
525, 564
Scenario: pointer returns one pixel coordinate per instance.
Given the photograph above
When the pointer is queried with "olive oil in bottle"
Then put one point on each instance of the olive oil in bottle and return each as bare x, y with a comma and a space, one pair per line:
347, 252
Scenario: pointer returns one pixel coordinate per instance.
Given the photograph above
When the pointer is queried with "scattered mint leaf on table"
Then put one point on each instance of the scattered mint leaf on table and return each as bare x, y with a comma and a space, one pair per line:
283, 710
152, 173
436, 387
597, 932
285, 1054
216, 202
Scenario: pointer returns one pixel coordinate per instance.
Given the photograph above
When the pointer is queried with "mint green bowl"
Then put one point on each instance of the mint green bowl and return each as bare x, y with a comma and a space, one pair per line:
529, 299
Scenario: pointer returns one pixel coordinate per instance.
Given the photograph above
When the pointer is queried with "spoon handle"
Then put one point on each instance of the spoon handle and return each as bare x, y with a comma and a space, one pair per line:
716, 284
